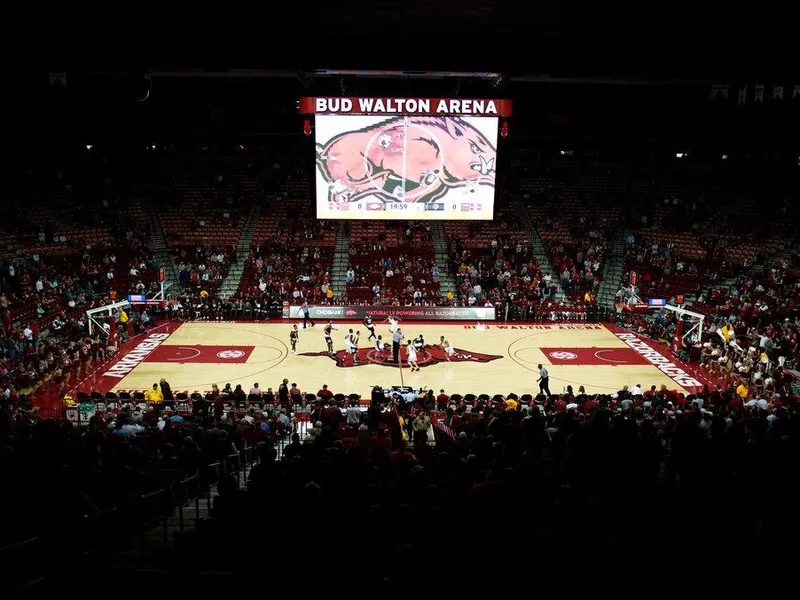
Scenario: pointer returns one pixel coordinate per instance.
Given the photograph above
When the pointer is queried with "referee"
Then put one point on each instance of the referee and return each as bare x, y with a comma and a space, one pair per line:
306, 316
544, 381
396, 339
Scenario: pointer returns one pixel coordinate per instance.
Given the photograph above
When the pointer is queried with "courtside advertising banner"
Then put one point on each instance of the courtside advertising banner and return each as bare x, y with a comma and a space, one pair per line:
438, 313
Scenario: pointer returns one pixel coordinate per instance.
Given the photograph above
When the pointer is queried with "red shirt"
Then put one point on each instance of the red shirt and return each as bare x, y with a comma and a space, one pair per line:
380, 443
671, 396
589, 405
403, 458
331, 416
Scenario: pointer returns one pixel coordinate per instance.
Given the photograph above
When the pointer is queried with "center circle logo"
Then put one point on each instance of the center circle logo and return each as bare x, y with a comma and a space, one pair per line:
229, 354
563, 355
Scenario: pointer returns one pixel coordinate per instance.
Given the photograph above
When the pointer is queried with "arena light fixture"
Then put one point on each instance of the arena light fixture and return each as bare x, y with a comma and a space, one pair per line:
494, 77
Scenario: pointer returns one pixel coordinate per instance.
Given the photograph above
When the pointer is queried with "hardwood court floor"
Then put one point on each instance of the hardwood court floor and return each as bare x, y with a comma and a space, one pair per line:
498, 359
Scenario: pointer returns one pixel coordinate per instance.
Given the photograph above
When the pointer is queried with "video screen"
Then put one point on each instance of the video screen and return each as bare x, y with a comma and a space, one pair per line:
405, 167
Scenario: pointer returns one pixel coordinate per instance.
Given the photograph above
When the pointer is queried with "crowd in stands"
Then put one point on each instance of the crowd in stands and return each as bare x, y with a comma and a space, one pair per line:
295, 270
571, 471
504, 267
205, 268
291, 251
576, 219
202, 218
495, 266
685, 235
392, 263
750, 336
59, 260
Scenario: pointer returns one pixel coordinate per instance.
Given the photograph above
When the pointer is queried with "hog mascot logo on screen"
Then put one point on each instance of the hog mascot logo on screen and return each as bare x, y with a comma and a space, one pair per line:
432, 355
435, 153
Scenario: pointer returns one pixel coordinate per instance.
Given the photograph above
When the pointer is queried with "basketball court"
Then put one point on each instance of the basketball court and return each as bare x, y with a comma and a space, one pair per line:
498, 358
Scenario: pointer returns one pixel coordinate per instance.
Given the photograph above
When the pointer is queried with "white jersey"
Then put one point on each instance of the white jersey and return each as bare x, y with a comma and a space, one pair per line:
351, 342
393, 325
412, 354
378, 345
449, 349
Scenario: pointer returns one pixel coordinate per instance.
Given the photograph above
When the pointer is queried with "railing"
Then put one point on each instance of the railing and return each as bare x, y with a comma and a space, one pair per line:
24, 564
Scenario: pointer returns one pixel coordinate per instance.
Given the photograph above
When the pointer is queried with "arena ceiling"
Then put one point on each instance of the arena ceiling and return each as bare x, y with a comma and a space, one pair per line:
515, 37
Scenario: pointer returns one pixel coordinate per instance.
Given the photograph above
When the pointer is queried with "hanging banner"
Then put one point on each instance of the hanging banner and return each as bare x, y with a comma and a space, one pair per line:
58, 79
796, 92
743, 95
719, 89
777, 92
759, 93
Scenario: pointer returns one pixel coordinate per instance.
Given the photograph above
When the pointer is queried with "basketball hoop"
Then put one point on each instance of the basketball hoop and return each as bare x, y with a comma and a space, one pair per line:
694, 332
96, 316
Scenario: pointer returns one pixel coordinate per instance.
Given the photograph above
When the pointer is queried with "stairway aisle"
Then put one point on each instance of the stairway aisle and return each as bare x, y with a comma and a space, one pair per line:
441, 254
230, 284
784, 253
158, 244
341, 259
537, 247
613, 268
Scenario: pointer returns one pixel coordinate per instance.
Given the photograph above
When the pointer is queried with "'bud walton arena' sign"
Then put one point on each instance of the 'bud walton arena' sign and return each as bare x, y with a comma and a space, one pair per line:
406, 106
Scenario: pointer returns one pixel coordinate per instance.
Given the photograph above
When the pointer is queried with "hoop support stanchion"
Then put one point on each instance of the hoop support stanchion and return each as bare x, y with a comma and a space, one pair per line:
400, 366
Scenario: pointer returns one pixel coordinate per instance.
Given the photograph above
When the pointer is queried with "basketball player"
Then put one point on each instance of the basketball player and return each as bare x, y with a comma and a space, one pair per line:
293, 335
370, 327
419, 345
354, 343
379, 345
351, 344
412, 356
329, 326
448, 349
394, 324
